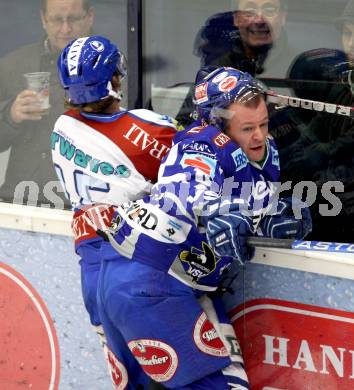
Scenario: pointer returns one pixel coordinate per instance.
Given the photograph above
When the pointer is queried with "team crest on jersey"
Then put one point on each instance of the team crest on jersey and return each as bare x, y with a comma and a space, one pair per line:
118, 372
200, 262
207, 339
116, 224
159, 360
240, 159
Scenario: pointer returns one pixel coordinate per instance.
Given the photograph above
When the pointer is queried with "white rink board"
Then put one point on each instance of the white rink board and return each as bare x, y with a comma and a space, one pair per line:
49, 264
37, 243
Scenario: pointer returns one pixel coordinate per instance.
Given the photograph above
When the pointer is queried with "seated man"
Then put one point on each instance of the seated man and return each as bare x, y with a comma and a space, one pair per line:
171, 249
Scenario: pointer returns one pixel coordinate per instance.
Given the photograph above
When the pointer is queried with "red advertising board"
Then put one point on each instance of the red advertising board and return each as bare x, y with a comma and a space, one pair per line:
29, 352
294, 346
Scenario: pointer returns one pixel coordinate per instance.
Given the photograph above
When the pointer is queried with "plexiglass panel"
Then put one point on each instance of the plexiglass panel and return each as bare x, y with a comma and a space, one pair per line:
301, 49
33, 36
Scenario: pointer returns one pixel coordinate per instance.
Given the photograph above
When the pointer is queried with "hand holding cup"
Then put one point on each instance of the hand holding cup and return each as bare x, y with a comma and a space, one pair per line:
33, 102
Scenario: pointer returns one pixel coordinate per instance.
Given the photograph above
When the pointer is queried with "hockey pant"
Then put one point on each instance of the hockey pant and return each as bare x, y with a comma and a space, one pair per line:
90, 263
166, 328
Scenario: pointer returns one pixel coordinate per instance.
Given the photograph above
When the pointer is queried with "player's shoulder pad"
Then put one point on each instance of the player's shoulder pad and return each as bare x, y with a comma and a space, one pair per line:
67, 117
210, 134
154, 117
71, 112
202, 140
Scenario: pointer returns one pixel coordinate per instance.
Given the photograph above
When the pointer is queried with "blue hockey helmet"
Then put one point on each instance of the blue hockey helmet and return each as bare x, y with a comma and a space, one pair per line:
217, 88
86, 66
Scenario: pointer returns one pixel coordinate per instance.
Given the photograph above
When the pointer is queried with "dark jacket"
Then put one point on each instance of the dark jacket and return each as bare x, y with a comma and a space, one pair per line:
30, 154
218, 43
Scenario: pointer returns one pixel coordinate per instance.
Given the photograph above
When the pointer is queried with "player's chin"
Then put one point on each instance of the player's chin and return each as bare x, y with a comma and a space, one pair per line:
256, 153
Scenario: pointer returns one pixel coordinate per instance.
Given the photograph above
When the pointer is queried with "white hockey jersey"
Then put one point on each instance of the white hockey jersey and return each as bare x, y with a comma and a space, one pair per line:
109, 159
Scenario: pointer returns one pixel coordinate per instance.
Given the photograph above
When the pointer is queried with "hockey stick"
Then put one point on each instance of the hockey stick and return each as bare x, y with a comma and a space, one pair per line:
330, 108
318, 246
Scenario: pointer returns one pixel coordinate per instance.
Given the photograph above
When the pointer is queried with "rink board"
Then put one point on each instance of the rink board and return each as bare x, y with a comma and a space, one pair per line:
292, 310
45, 335
294, 315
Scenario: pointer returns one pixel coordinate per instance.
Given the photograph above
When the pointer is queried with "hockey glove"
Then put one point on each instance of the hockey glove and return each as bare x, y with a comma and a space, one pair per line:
227, 234
283, 223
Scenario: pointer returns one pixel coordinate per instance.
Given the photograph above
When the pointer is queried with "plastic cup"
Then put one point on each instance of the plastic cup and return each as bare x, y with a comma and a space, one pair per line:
39, 82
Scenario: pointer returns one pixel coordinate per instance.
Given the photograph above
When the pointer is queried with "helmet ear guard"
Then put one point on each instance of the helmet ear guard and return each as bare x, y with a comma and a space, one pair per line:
122, 66
111, 92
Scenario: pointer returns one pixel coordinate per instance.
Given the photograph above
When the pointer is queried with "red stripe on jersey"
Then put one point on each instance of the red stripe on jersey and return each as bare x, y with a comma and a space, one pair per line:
89, 219
145, 143
198, 163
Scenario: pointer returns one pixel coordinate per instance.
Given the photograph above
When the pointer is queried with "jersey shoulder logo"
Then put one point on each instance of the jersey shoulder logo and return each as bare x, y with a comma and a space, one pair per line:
275, 157
201, 262
240, 159
221, 140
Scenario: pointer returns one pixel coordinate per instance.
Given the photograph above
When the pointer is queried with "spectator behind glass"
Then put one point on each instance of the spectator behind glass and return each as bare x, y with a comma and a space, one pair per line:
324, 151
346, 25
262, 36
251, 38
22, 127
245, 37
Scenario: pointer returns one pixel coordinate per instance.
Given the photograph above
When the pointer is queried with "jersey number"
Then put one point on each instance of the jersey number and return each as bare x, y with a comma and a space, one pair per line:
84, 185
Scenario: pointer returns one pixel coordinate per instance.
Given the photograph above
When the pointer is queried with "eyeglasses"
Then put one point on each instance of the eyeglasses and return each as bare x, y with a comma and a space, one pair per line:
58, 21
267, 10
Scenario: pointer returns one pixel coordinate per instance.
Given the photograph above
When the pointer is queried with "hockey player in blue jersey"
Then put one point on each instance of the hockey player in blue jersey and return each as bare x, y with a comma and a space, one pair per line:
168, 251
103, 156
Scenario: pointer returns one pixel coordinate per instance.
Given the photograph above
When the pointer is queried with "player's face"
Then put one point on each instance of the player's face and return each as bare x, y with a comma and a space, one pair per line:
348, 40
249, 128
259, 21
66, 20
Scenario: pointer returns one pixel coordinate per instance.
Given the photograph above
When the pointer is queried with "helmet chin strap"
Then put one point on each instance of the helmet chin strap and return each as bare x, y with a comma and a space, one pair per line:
113, 93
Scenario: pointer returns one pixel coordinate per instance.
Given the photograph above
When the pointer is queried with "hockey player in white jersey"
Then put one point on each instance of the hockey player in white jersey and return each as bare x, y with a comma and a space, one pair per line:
103, 156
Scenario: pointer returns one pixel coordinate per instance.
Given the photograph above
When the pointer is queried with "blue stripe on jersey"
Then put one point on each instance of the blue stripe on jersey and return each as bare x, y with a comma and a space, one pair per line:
104, 118
200, 167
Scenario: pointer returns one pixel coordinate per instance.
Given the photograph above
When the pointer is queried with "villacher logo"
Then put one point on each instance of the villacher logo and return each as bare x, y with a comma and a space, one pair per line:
207, 339
29, 351
157, 359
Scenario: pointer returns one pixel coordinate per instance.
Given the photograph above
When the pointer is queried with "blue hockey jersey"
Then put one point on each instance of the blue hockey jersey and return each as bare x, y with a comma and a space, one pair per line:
164, 229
